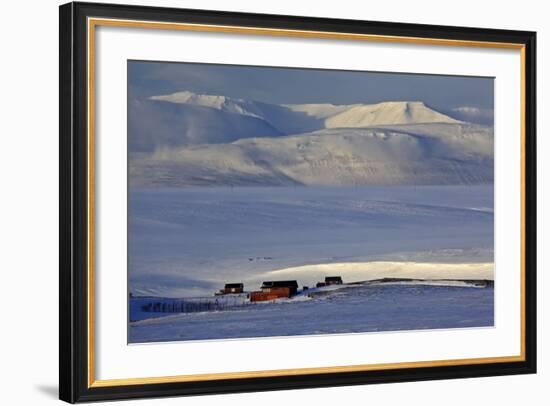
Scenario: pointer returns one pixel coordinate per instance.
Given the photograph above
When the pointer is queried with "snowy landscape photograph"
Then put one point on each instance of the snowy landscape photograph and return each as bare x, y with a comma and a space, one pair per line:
275, 202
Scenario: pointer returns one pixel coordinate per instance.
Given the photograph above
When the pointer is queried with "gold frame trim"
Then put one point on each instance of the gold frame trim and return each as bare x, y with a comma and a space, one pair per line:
94, 22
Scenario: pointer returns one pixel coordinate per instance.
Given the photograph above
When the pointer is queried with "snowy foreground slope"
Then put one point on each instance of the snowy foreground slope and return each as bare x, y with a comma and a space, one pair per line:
185, 139
360, 309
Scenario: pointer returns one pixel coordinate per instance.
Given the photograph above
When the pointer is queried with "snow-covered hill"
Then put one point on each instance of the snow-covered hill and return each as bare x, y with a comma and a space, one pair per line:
185, 118
222, 103
184, 139
386, 113
160, 124
461, 154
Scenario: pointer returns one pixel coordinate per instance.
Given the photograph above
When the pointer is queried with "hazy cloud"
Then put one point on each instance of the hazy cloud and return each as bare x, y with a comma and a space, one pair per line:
474, 114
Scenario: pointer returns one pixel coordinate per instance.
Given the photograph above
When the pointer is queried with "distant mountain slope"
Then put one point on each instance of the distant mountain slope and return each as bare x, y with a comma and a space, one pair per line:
192, 119
160, 124
409, 154
387, 113
222, 103
184, 139
186, 118
368, 115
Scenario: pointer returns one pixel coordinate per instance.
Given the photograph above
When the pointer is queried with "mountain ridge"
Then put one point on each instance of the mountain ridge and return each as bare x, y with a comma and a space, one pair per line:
326, 157
327, 115
188, 139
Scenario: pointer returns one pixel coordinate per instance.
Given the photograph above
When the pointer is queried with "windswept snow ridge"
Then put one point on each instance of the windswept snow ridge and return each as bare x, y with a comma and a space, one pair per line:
364, 271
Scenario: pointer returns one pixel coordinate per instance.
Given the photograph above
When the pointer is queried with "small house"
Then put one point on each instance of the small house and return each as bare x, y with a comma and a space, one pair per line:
232, 288
271, 286
333, 280
272, 290
272, 294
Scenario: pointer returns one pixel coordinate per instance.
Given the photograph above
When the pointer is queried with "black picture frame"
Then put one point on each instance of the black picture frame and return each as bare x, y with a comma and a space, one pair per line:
74, 385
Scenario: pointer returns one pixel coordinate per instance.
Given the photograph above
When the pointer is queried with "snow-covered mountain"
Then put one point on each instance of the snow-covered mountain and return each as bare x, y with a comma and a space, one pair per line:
185, 139
328, 157
387, 113
185, 118
324, 115
161, 124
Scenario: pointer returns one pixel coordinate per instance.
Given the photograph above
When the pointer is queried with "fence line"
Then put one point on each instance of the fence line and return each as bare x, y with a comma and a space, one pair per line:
194, 306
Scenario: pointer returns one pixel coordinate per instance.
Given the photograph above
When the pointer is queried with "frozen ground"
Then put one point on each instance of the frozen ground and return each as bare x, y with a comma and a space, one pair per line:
350, 310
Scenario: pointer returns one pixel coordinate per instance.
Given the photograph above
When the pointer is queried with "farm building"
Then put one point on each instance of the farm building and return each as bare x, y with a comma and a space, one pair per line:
275, 293
333, 280
232, 288
330, 280
272, 285
275, 290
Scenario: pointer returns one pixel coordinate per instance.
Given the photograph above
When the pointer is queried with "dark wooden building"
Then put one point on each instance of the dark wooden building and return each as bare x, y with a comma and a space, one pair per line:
272, 294
272, 290
333, 280
270, 286
233, 288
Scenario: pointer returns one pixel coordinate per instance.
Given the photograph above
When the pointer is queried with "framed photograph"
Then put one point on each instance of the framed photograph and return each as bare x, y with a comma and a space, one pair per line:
258, 202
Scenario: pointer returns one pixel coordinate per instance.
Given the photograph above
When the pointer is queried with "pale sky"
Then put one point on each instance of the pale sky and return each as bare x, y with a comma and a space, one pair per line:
292, 85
